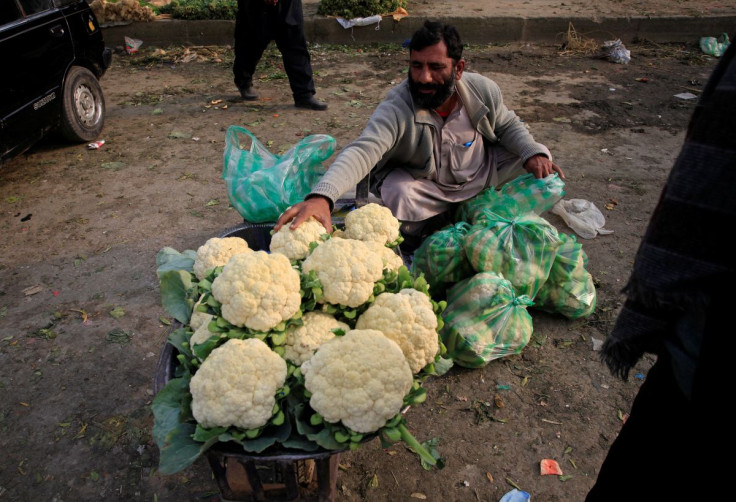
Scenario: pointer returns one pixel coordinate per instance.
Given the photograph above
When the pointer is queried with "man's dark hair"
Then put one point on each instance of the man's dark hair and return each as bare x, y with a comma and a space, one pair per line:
432, 33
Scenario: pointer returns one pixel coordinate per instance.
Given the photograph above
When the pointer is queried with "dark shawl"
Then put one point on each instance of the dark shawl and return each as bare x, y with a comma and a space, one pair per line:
685, 262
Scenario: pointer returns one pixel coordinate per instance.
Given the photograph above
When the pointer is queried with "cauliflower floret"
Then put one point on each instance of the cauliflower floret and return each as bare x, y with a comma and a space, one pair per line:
258, 290
347, 268
359, 379
216, 252
295, 243
198, 318
408, 319
391, 260
302, 341
372, 222
201, 335
236, 385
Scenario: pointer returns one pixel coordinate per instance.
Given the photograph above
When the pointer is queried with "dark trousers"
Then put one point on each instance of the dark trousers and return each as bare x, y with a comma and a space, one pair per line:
255, 26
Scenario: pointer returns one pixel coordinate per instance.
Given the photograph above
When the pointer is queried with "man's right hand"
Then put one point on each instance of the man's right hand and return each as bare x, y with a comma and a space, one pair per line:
317, 206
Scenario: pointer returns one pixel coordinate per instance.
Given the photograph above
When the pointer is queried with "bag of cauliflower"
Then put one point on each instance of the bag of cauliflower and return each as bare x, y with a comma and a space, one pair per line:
522, 249
569, 289
441, 257
488, 199
261, 185
534, 194
485, 320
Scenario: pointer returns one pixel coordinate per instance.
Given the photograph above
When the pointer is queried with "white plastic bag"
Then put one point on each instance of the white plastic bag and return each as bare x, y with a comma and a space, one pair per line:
582, 217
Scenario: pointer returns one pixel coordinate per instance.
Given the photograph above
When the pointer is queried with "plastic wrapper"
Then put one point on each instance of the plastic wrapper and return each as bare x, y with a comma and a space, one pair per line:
522, 249
261, 185
715, 46
569, 289
582, 216
441, 257
485, 320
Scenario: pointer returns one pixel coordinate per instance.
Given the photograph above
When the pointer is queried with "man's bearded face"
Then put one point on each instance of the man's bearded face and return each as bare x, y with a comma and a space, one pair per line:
432, 95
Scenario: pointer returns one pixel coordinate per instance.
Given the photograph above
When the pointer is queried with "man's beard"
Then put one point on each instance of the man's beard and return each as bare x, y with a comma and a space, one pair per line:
442, 92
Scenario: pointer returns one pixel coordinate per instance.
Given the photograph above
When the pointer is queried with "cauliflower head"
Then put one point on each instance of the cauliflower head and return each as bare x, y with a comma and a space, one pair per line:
216, 252
391, 260
359, 379
295, 243
408, 319
372, 222
258, 290
236, 385
347, 268
302, 341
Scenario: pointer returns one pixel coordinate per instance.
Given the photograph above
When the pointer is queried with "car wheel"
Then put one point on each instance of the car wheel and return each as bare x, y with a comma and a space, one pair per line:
82, 107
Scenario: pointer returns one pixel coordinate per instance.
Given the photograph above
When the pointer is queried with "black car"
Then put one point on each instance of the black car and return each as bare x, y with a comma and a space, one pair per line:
52, 56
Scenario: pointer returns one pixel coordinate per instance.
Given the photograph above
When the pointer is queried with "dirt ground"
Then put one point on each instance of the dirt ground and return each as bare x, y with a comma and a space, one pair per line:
81, 324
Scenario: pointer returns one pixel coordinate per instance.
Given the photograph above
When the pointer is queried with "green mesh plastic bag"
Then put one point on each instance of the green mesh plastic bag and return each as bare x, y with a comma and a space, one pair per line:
489, 199
535, 194
485, 320
441, 257
260, 184
522, 249
569, 289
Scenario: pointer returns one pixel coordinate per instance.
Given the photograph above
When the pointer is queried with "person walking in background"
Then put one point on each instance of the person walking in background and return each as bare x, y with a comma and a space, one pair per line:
257, 23
675, 444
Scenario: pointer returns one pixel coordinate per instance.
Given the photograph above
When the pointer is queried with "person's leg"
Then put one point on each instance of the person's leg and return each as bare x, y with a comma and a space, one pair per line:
292, 44
251, 39
654, 447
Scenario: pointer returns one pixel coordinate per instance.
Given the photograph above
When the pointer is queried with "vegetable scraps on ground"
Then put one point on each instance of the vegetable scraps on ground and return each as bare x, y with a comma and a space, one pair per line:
300, 348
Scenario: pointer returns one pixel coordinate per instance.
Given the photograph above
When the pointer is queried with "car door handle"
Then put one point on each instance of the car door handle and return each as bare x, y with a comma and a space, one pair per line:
57, 31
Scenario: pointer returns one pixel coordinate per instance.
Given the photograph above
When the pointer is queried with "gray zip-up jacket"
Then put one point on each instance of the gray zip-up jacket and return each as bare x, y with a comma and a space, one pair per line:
400, 135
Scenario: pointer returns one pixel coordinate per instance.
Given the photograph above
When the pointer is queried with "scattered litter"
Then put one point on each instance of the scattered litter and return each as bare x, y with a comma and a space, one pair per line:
686, 95
616, 52
715, 46
597, 344
132, 45
642, 79
549, 467
582, 216
639, 376
360, 21
96, 144
515, 496
32, 290
120, 336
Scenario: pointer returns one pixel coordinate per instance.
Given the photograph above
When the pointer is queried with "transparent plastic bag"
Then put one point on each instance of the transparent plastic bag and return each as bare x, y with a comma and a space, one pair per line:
569, 289
441, 257
260, 184
535, 194
522, 249
715, 46
582, 216
485, 320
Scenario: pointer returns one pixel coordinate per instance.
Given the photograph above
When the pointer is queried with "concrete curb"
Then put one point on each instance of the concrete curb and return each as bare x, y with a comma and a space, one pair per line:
475, 30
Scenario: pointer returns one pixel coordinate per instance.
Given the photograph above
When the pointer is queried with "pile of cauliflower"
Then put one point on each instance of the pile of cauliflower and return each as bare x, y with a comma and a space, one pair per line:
319, 341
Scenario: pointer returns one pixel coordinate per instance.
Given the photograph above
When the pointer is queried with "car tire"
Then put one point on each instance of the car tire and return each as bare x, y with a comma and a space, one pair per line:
82, 107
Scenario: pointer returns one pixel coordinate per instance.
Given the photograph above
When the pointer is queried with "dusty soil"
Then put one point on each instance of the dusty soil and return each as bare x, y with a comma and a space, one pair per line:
81, 326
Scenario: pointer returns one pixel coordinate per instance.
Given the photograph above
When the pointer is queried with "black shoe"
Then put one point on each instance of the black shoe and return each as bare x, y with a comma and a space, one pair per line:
248, 94
310, 103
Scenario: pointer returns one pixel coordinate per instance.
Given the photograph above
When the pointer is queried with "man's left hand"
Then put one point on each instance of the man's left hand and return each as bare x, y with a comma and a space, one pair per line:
540, 166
